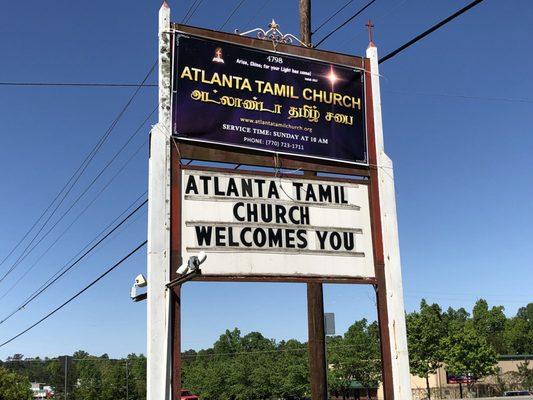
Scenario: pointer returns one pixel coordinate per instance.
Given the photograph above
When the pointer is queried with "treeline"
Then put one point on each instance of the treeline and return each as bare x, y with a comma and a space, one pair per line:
251, 366
467, 344
254, 367
87, 377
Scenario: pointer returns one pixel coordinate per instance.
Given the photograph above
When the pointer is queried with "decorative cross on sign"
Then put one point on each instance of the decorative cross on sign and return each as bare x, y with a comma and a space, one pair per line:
370, 25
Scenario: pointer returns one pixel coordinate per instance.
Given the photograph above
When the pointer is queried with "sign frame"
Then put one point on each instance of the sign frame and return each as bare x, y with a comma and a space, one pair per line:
177, 223
284, 50
201, 151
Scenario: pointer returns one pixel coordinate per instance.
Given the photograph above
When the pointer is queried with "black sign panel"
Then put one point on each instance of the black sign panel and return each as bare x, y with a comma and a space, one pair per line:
240, 96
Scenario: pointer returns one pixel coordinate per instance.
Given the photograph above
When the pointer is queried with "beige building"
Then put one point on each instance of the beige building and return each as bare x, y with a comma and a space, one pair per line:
489, 386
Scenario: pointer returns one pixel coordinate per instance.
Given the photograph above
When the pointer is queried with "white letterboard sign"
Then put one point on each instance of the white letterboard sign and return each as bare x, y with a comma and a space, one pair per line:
267, 225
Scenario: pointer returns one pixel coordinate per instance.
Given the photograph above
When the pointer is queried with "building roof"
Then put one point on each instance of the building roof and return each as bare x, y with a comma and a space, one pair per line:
359, 385
513, 357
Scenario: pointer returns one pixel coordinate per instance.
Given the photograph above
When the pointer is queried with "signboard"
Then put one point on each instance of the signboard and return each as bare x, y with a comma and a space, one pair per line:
329, 323
251, 224
241, 96
465, 378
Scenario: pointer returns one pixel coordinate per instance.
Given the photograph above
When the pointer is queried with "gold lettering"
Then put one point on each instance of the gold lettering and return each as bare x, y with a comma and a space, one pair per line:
186, 73
246, 85
259, 85
332, 98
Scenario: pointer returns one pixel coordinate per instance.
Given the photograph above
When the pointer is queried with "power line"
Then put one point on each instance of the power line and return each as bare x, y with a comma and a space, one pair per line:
6, 292
79, 84
36, 262
189, 10
253, 17
209, 353
83, 167
331, 17
346, 22
430, 30
60, 271
192, 10
72, 180
460, 96
186, 18
232, 13
100, 173
63, 271
273, 351
350, 38
76, 295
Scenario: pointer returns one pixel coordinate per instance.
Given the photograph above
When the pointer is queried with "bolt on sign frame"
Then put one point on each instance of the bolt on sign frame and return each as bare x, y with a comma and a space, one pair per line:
392, 327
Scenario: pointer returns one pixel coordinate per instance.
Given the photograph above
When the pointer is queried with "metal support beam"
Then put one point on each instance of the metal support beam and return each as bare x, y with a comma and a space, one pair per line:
184, 278
176, 342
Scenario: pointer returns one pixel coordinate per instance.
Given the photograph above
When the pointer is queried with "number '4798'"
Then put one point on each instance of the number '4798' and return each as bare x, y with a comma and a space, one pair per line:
275, 59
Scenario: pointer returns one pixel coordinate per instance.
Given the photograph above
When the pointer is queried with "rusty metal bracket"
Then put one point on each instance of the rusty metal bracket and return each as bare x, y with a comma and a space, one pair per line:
184, 278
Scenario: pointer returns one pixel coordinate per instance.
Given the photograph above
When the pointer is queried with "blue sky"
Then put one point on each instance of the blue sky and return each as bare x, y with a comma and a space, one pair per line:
463, 165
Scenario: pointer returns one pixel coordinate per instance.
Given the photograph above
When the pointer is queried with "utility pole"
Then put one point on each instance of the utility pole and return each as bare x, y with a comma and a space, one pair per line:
127, 381
316, 341
66, 377
315, 295
305, 21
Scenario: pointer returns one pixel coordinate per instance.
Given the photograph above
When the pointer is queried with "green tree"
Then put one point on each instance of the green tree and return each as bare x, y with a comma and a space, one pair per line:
426, 330
136, 376
490, 323
247, 367
292, 369
14, 386
466, 352
526, 313
228, 343
222, 372
36, 369
257, 362
357, 357
232, 378
16, 363
113, 383
455, 319
338, 380
56, 377
88, 376
518, 334
524, 375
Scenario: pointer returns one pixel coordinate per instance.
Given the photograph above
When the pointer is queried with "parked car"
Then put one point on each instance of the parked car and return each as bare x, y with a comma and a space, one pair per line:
517, 393
187, 395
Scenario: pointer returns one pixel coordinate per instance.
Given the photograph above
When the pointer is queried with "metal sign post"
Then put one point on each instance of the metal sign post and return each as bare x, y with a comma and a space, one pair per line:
316, 105
391, 311
158, 250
